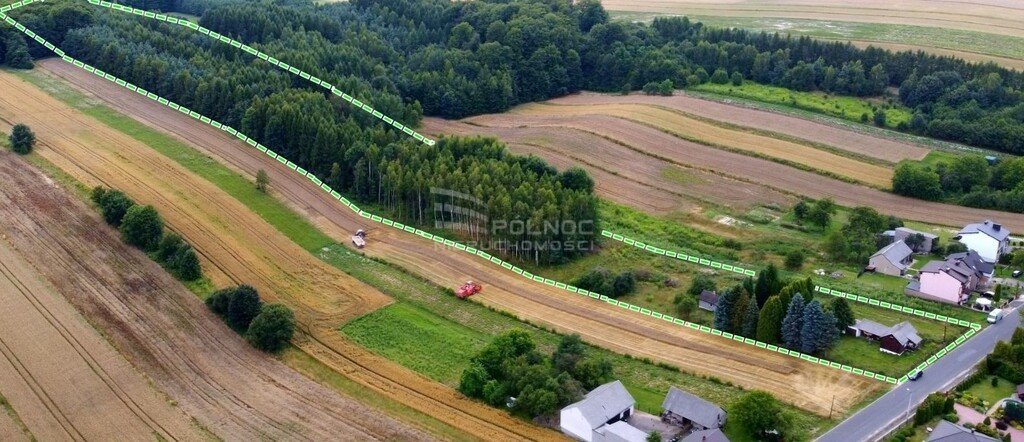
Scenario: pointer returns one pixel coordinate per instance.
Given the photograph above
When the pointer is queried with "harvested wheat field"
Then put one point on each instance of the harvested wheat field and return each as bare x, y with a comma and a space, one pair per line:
1005, 17
843, 139
209, 371
661, 147
237, 246
809, 386
59, 375
703, 132
625, 176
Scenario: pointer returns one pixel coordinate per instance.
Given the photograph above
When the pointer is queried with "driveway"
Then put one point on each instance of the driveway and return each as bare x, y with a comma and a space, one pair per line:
880, 417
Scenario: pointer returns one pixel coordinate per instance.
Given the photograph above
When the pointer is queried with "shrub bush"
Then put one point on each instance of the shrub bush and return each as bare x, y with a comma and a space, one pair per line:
272, 329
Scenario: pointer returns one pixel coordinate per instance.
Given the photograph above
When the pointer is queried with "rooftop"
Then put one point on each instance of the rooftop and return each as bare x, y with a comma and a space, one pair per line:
603, 403
691, 407
989, 228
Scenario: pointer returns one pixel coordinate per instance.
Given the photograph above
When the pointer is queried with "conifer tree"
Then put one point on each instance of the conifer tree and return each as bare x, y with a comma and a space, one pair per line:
792, 324
769, 325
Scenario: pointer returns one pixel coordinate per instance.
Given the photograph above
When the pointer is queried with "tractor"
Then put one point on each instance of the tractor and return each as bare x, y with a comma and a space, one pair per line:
359, 239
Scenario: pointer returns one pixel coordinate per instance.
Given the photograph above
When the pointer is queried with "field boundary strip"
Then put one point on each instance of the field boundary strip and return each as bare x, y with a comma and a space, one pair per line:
447, 242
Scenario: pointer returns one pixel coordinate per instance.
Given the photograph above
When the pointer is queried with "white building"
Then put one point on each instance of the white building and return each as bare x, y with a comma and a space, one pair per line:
991, 240
597, 417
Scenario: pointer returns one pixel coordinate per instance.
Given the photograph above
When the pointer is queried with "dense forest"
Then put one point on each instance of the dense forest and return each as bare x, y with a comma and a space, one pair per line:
410, 58
455, 59
968, 180
354, 152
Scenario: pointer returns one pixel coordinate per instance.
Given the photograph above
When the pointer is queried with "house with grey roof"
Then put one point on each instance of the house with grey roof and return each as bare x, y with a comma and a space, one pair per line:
896, 339
990, 239
947, 431
708, 300
893, 259
713, 435
684, 409
605, 405
952, 280
929, 242
619, 432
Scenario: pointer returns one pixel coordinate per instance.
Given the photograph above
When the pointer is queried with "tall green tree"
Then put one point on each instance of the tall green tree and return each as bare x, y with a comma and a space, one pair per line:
818, 330
142, 227
793, 323
726, 310
768, 284
761, 415
243, 306
843, 313
769, 325
22, 139
272, 328
750, 320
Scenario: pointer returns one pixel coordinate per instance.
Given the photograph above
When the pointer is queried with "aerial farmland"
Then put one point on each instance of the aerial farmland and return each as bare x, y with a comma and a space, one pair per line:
524, 220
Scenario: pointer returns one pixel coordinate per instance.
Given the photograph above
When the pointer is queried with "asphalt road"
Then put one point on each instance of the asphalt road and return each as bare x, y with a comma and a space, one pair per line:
895, 407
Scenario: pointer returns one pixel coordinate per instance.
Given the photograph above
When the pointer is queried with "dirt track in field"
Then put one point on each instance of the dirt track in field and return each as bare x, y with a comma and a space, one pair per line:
237, 246
1004, 17
213, 375
62, 378
839, 138
703, 132
809, 386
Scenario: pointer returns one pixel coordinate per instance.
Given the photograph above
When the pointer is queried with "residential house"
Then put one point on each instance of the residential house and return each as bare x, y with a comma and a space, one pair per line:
984, 270
603, 406
708, 300
991, 240
896, 339
684, 409
714, 435
1020, 392
902, 233
952, 280
619, 432
893, 259
947, 431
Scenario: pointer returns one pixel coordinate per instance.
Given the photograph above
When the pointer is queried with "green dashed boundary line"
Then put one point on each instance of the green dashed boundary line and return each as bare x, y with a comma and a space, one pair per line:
462, 247
679, 255
228, 41
973, 328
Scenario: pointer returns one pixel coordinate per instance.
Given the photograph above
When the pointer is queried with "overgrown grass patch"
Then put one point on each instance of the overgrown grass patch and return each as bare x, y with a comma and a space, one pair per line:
849, 108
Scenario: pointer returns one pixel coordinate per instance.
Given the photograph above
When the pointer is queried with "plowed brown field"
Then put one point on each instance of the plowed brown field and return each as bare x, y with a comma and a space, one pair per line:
237, 246
661, 148
703, 132
625, 176
59, 374
809, 386
1004, 17
839, 138
212, 374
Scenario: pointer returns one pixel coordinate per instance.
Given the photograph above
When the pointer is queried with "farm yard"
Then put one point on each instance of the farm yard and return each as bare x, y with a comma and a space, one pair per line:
212, 375
596, 322
969, 30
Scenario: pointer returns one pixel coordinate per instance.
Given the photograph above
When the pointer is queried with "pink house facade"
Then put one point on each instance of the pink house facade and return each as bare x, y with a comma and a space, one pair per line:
950, 281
